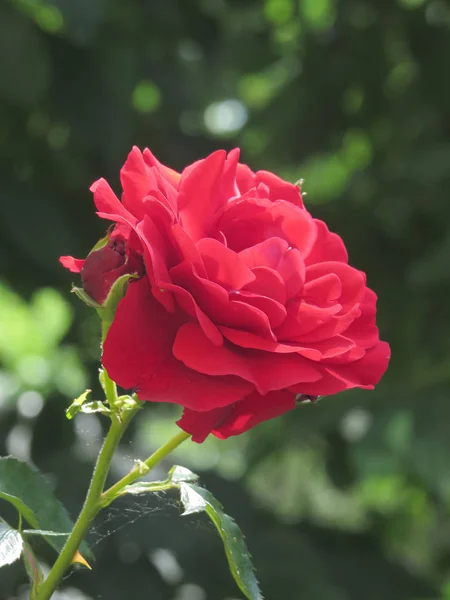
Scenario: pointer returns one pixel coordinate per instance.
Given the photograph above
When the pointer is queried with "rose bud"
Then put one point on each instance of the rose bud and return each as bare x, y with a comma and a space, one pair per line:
102, 267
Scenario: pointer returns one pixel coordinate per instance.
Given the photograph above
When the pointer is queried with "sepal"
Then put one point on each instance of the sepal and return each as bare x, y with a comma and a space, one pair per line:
107, 310
80, 405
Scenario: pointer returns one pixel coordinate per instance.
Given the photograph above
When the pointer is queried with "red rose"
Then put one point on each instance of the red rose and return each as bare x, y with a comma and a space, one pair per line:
247, 301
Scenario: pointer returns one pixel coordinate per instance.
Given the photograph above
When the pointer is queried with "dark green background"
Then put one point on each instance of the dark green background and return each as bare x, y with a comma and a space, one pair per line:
345, 500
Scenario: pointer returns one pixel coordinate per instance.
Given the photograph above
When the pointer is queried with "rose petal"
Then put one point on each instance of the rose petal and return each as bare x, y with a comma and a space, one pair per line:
201, 424
333, 347
276, 313
169, 174
137, 354
280, 189
364, 373
108, 205
323, 290
367, 371
297, 225
328, 246
73, 264
268, 253
224, 266
267, 283
238, 417
140, 337
252, 410
229, 187
136, 182
265, 370
363, 330
244, 339
247, 221
245, 178
155, 254
335, 326
292, 270
175, 383
216, 303
303, 318
199, 196
353, 281
187, 303
187, 249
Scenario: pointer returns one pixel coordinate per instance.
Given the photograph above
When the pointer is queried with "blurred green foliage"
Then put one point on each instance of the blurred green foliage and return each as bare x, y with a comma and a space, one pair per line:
342, 500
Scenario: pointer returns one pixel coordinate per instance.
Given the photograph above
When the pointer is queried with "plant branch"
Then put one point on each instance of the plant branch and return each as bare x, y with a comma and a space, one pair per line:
92, 503
143, 467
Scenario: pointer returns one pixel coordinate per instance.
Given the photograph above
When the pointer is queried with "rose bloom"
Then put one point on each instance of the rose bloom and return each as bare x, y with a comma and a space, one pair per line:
244, 303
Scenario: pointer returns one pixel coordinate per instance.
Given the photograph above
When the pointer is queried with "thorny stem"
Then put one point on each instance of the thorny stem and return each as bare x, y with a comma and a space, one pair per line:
91, 504
95, 499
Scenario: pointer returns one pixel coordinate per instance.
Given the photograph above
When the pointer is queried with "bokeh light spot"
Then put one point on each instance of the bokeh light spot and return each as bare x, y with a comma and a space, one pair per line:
225, 117
146, 97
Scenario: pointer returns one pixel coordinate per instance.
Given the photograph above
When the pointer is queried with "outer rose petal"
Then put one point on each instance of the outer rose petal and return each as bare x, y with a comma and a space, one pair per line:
139, 178
363, 330
364, 373
73, 264
169, 174
238, 417
267, 371
135, 181
108, 205
280, 189
245, 178
367, 371
328, 246
155, 252
137, 354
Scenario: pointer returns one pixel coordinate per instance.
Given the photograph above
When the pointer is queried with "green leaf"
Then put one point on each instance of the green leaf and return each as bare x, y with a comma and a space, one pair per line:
25, 488
179, 474
11, 544
95, 407
21, 507
197, 499
80, 405
32, 568
76, 405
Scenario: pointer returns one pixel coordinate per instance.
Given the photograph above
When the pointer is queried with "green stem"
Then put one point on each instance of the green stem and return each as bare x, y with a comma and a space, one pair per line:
142, 468
155, 486
89, 511
96, 499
